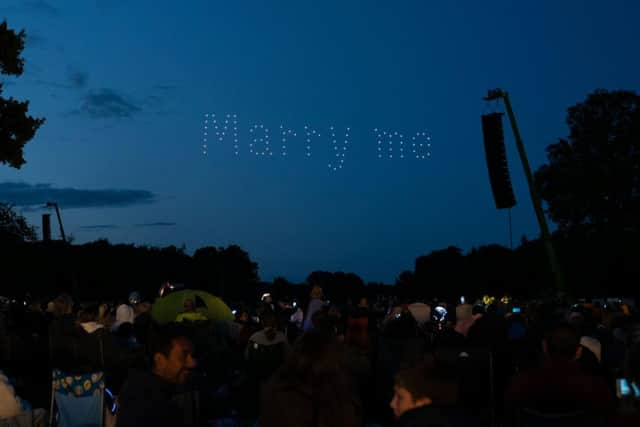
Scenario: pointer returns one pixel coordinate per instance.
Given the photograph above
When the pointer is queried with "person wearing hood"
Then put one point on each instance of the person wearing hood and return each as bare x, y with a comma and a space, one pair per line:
93, 346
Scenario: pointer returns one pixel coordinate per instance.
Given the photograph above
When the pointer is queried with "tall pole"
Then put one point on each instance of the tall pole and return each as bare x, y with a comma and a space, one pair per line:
510, 231
55, 205
64, 237
535, 198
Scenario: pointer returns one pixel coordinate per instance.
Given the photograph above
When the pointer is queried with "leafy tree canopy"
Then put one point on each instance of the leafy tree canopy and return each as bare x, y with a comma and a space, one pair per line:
14, 226
16, 126
592, 178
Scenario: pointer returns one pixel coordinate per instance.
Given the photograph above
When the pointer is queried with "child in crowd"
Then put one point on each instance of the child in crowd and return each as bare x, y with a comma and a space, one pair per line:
424, 396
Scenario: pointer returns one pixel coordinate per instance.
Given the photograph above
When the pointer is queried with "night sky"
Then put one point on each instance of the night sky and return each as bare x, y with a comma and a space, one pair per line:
125, 86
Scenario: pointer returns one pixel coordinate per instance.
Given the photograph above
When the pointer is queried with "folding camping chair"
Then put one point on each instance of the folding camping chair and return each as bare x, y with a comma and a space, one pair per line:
77, 400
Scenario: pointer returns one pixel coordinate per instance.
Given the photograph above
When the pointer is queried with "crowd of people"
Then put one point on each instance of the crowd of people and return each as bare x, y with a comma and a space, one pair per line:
313, 363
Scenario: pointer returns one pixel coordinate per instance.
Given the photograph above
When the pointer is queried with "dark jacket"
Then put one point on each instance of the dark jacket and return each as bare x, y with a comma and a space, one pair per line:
286, 405
145, 400
559, 386
434, 416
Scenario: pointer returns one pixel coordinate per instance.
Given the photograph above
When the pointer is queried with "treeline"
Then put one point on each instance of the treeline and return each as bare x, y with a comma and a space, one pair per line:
103, 270
593, 263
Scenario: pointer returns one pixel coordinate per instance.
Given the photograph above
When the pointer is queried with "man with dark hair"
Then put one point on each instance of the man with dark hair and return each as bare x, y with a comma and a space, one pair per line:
146, 396
423, 396
560, 386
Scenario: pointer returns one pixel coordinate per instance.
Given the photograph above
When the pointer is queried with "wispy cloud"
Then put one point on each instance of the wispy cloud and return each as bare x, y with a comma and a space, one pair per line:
98, 227
42, 7
75, 79
106, 104
30, 7
54, 85
78, 79
35, 196
164, 88
34, 40
157, 224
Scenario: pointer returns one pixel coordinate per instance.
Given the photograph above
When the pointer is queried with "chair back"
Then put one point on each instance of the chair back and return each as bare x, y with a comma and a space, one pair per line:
77, 400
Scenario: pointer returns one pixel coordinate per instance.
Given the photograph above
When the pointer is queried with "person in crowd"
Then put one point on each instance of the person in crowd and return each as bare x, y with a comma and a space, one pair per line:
628, 410
266, 304
424, 396
455, 337
242, 328
421, 312
560, 385
106, 315
123, 329
313, 387
63, 321
264, 354
315, 305
15, 411
146, 397
10, 404
357, 331
124, 316
92, 349
190, 313
142, 321
269, 335
88, 319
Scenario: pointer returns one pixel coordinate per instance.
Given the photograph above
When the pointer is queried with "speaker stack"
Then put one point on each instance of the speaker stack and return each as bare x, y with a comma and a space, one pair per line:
494, 148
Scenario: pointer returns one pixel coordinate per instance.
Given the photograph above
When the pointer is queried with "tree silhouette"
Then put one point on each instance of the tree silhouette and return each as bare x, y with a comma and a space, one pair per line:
406, 278
593, 177
225, 271
338, 286
16, 127
440, 273
14, 226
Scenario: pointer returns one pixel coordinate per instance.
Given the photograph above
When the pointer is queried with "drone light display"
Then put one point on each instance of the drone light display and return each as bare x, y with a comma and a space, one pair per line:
261, 141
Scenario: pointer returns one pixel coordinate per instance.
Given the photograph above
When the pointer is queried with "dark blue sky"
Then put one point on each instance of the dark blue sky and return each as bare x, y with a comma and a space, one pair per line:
124, 86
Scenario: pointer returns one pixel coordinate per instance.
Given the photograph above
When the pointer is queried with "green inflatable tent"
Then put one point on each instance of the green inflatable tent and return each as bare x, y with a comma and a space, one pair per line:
166, 309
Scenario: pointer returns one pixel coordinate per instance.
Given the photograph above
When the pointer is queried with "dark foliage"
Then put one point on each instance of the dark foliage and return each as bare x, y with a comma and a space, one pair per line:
16, 126
101, 270
593, 177
14, 226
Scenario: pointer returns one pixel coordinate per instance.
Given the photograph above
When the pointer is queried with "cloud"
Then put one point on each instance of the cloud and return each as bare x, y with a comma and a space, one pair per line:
42, 7
105, 104
164, 88
157, 224
34, 196
98, 227
52, 84
78, 79
34, 40
75, 80
39, 7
